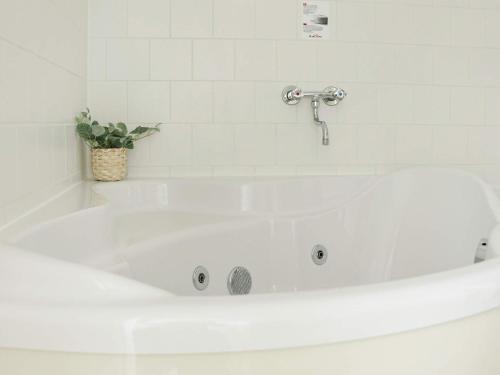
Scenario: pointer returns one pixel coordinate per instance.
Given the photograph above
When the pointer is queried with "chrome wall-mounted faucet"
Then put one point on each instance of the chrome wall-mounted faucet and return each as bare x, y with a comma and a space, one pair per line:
331, 96
317, 121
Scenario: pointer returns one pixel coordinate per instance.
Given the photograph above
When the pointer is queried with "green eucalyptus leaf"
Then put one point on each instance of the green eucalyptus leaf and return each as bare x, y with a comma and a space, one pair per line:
128, 142
84, 131
139, 130
115, 142
122, 127
117, 130
98, 130
143, 132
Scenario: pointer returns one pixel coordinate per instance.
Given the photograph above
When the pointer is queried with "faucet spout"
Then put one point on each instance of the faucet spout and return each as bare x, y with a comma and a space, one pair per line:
318, 122
324, 130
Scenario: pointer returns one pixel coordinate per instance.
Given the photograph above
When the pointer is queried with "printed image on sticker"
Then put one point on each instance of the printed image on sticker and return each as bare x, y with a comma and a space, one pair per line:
315, 15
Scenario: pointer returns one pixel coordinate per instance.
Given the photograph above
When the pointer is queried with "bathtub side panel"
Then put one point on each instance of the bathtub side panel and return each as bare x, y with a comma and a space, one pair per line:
464, 347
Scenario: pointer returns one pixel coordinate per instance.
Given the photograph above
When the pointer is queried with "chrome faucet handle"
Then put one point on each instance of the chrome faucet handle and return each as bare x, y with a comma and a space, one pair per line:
333, 95
291, 95
340, 94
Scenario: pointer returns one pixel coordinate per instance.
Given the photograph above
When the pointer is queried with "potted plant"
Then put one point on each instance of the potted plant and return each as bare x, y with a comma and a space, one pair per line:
109, 145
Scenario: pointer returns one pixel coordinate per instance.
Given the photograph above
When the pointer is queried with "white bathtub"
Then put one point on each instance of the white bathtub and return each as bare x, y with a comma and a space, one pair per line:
108, 288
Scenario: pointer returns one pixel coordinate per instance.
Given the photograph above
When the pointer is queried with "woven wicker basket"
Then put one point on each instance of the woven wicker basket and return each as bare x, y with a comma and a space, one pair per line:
109, 164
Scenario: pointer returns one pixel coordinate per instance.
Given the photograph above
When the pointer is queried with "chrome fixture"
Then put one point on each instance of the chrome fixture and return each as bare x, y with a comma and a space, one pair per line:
317, 121
319, 254
201, 278
331, 96
239, 281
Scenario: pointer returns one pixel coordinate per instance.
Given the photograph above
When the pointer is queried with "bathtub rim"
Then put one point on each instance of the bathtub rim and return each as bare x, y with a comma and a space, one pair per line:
140, 326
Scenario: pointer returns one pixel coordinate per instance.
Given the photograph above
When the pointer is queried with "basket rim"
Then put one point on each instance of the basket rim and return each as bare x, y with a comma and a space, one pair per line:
108, 148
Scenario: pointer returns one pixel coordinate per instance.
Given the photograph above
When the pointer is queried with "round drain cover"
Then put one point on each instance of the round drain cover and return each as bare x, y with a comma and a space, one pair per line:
239, 281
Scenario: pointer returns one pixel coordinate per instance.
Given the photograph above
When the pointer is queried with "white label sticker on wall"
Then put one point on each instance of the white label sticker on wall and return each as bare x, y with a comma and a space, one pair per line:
316, 19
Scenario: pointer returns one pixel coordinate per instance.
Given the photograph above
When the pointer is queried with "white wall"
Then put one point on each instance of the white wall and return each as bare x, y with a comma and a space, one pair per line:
42, 87
423, 78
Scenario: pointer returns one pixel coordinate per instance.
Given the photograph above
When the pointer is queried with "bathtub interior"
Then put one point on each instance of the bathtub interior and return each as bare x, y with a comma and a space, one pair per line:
374, 230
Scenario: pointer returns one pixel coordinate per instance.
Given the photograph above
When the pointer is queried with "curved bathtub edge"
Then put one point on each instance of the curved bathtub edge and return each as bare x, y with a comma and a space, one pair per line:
29, 279
256, 322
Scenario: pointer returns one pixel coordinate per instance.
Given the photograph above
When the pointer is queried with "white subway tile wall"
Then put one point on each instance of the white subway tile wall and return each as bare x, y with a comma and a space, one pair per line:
42, 86
423, 78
